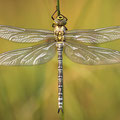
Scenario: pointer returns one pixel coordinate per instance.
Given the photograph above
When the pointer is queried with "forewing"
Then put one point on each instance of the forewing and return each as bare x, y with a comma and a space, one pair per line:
24, 35
91, 55
34, 55
95, 35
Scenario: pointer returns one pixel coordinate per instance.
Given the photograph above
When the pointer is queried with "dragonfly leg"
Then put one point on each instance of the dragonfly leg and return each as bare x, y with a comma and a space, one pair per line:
54, 14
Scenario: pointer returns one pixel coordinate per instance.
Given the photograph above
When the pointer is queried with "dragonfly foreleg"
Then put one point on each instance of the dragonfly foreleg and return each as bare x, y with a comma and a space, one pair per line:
54, 13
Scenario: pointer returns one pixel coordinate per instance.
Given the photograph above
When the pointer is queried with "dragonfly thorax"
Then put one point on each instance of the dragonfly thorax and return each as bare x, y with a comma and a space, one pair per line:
59, 32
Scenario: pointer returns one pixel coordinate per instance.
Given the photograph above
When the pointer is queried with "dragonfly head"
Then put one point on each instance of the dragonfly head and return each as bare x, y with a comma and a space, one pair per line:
60, 20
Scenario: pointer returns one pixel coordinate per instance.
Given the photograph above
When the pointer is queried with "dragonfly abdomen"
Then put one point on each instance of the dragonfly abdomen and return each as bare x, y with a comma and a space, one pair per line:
60, 76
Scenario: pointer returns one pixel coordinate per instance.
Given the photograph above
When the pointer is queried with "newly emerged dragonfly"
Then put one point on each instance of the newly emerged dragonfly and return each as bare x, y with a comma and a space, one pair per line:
73, 42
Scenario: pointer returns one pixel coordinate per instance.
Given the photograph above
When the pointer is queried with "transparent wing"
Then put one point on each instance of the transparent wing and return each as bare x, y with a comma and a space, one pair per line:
95, 35
34, 55
24, 35
91, 55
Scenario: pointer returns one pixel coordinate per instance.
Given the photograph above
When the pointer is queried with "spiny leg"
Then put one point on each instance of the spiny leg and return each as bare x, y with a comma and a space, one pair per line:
53, 14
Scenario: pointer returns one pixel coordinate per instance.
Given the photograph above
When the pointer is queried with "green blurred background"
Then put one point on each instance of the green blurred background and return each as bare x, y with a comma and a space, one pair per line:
30, 93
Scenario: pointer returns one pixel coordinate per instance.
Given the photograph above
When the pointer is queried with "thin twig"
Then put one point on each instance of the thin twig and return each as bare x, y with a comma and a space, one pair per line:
58, 7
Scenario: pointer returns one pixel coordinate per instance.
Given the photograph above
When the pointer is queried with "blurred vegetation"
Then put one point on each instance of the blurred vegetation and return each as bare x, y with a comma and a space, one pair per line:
30, 93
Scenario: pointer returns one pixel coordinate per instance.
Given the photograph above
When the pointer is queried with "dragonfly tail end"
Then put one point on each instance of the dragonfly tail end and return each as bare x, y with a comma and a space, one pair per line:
60, 109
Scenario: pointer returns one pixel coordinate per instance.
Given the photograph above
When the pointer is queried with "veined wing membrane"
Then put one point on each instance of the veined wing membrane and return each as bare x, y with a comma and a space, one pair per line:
34, 55
95, 35
24, 35
91, 55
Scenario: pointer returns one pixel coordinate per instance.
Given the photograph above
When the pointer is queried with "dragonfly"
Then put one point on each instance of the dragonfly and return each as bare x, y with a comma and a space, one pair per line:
78, 46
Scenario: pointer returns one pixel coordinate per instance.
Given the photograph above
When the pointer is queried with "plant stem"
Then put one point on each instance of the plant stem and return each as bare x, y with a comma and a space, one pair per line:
58, 7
